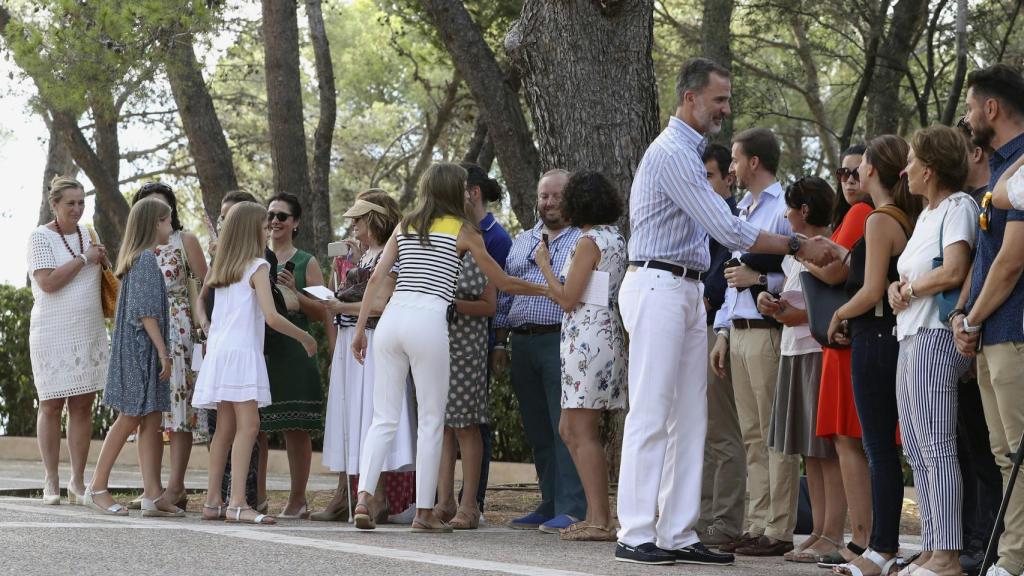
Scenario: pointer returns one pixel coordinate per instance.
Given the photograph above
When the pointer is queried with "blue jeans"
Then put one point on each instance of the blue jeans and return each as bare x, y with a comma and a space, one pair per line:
875, 353
537, 382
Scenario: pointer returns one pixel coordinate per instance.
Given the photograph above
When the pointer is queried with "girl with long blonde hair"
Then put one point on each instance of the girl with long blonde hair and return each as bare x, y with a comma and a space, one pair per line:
233, 379
137, 375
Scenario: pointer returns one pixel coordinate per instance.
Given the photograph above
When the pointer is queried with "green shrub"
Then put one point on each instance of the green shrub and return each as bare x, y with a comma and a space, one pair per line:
17, 394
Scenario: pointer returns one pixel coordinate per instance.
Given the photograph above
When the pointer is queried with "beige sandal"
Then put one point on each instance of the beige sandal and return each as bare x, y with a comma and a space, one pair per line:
586, 532
363, 519
464, 519
808, 556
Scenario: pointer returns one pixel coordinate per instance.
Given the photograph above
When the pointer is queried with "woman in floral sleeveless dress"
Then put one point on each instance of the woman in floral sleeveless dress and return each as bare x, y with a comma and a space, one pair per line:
183, 425
593, 347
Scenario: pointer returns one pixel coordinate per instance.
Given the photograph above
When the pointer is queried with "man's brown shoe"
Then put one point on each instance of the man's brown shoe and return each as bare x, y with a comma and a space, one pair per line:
712, 537
765, 546
745, 540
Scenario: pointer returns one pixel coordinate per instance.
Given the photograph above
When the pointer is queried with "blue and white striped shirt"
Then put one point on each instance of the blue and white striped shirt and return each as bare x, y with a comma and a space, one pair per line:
514, 311
672, 208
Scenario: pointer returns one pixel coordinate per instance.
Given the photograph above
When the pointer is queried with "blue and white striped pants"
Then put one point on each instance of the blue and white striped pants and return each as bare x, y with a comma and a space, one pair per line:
926, 394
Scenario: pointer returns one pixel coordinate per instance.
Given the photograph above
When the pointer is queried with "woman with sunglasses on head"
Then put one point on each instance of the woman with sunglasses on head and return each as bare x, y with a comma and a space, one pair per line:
870, 323
837, 413
180, 258
296, 396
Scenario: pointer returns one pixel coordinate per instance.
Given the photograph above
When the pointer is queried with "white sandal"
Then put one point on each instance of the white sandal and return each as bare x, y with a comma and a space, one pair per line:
114, 509
261, 519
150, 510
874, 557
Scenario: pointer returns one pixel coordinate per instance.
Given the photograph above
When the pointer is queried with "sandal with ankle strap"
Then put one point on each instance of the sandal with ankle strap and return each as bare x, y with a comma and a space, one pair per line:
464, 519
363, 519
260, 519
812, 538
808, 556
114, 509
221, 512
424, 528
870, 555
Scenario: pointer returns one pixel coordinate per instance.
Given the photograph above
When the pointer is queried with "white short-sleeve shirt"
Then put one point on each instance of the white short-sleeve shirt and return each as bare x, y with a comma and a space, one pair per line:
958, 217
1015, 189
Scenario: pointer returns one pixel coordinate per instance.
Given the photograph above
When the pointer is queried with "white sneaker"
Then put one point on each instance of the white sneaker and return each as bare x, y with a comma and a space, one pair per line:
997, 571
405, 517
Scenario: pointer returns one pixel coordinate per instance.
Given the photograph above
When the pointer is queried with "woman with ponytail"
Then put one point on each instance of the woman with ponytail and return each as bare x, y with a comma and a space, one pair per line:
866, 322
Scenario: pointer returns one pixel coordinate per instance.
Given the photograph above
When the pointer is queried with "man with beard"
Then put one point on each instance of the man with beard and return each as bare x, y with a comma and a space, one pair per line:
992, 300
536, 323
672, 209
752, 343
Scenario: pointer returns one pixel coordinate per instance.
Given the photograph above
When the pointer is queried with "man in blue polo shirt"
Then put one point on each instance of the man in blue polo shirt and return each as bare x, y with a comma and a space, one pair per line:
992, 302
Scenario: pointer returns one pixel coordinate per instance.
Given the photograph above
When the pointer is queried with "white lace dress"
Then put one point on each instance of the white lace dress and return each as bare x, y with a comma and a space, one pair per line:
67, 338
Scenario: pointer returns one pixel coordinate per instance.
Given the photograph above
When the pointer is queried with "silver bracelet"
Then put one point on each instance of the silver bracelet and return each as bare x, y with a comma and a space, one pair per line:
85, 259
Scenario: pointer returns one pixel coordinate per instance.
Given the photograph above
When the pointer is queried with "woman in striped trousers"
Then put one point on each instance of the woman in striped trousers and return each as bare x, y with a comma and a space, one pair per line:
936, 259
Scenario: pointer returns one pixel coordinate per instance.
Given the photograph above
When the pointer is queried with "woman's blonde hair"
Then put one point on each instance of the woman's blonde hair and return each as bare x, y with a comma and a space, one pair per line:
140, 232
442, 192
242, 239
59, 184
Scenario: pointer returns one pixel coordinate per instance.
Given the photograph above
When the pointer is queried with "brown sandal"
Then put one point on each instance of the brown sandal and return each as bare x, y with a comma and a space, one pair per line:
465, 519
586, 532
363, 519
424, 528
445, 514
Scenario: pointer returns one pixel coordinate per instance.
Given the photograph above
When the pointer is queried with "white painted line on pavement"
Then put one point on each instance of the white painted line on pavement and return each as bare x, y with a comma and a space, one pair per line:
277, 536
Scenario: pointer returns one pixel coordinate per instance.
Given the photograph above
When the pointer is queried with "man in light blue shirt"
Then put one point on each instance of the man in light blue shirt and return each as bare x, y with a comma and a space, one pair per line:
753, 343
672, 209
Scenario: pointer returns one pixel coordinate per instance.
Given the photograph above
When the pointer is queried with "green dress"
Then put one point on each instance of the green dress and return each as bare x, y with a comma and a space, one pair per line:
295, 389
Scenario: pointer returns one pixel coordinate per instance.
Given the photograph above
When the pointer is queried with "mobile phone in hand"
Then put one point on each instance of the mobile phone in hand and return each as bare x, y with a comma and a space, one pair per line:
547, 244
289, 266
732, 262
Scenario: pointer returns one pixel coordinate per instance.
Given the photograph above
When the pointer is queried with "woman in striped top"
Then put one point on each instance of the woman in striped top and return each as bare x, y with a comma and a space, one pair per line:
413, 331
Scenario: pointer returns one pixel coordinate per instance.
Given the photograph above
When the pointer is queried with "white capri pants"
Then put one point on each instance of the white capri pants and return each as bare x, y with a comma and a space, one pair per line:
412, 334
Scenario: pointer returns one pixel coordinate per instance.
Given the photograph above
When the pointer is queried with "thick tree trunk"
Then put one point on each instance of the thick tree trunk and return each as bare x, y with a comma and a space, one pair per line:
960, 73
497, 100
884, 110
284, 113
716, 44
323, 137
58, 163
207, 143
589, 80
877, 27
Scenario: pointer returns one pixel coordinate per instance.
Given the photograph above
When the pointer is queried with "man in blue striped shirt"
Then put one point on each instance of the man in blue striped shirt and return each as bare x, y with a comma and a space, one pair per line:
536, 323
672, 209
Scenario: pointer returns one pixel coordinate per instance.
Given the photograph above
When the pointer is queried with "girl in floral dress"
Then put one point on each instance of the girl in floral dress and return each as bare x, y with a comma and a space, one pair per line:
179, 258
593, 349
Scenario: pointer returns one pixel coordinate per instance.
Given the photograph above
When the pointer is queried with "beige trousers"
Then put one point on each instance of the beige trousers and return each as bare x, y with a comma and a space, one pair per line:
1001, 380
723, 486
773, 479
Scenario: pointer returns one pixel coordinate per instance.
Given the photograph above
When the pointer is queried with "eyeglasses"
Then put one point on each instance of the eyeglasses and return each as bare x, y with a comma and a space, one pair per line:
281, 216
986, 211
963, 125
843, 173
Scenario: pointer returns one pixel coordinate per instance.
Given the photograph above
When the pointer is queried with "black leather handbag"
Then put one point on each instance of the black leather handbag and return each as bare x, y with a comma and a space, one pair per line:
822, 301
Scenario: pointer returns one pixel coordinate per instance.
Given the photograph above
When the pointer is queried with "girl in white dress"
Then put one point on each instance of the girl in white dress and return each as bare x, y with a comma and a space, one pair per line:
234, 380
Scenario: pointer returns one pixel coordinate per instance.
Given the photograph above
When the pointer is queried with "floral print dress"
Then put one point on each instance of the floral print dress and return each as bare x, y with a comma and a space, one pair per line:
593, 347
182, 417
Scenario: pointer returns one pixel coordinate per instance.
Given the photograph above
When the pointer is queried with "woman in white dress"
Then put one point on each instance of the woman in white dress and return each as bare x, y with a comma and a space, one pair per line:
350, 400
67, 339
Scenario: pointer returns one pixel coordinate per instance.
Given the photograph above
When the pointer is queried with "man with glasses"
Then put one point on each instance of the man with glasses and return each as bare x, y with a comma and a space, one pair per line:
988, 321
535, 323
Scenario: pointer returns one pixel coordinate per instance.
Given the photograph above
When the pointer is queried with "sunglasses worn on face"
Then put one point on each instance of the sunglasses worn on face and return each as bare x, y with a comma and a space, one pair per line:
281, 216
844, 173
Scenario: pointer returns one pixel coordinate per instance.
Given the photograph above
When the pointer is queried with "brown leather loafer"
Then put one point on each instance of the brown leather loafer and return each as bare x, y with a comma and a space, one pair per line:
765, 546
745, 540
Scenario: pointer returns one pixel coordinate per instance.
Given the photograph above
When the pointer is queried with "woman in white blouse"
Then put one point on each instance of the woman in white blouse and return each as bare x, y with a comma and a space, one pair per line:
67, 339
936, 260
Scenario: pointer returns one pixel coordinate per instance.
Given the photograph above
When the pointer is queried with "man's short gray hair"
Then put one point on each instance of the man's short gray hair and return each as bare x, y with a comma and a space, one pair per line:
696, 75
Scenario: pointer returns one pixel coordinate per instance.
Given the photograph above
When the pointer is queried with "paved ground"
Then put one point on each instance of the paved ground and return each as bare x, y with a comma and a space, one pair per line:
57, 540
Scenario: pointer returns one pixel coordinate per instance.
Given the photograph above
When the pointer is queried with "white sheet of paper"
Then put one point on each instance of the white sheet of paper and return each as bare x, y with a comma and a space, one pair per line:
319, 292
795, 298
597, 289
197, 356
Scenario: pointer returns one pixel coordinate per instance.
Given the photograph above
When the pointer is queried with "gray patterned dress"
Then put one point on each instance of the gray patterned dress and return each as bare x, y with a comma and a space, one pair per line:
133, 387
467, 336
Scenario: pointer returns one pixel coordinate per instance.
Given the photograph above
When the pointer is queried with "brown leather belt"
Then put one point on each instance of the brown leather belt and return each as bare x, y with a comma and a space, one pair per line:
744, 324
535, 329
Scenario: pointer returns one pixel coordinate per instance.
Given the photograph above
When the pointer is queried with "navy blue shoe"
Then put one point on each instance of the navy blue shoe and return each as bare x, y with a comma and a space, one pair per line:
556, 524
699, 554
531, 521
646, 553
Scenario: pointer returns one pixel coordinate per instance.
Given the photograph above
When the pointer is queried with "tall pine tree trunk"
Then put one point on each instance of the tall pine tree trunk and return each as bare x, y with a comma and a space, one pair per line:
716, 44
207, 143
58, 163
320, 171
589, 81
884, 109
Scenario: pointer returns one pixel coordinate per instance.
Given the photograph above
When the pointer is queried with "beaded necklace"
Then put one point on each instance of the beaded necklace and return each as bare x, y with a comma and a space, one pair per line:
81, 244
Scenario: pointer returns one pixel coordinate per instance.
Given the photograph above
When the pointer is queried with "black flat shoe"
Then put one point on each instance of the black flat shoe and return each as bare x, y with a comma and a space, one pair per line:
699, 554
646, 553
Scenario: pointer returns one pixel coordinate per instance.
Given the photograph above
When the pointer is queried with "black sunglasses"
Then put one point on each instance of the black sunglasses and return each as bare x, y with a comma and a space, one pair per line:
844, 173
281, 216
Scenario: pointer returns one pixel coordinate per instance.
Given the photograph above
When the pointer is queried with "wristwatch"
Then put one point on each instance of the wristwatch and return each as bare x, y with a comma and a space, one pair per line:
949, 319
910, 290
85, 259
794, 244
723, 332
762, 280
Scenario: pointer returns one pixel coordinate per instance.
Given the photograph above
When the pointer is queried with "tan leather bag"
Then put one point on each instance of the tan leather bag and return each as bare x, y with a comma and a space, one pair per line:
109, 284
